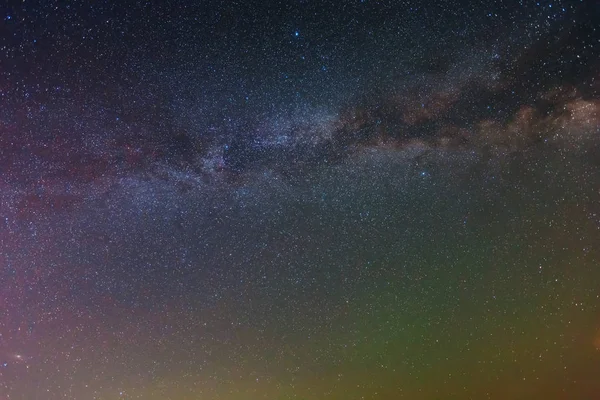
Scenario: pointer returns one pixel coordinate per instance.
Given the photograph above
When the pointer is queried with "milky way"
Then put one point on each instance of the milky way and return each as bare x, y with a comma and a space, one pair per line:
299, 200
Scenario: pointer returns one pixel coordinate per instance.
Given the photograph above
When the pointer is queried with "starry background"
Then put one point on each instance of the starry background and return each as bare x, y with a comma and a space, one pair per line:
299, 200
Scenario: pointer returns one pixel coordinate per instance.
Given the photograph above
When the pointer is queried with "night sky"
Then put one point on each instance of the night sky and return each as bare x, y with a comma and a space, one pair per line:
300, 199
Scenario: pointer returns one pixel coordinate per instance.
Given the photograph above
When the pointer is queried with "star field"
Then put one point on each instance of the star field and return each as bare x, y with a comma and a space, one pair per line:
299, 200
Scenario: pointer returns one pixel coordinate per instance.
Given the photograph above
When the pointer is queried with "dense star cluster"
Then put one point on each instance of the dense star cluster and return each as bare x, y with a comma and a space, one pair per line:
239, 200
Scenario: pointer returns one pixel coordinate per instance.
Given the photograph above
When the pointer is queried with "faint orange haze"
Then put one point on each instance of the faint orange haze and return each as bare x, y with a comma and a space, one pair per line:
597, 341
